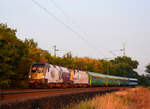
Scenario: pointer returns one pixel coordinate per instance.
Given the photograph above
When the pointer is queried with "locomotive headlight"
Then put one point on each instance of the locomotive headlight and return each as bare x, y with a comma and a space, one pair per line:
43, 76
29, 76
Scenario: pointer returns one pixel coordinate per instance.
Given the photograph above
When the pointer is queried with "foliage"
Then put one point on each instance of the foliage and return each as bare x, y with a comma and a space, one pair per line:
148, 68
11, 52
144, 80
124, 66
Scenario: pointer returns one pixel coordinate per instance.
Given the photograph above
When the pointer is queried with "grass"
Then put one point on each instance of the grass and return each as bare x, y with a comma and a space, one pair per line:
136, 98
108, 101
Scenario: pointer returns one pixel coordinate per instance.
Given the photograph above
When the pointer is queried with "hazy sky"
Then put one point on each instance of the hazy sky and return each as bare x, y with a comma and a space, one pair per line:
102, 26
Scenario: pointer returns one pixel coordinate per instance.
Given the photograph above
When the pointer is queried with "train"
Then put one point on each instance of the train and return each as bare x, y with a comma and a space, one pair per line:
51, 76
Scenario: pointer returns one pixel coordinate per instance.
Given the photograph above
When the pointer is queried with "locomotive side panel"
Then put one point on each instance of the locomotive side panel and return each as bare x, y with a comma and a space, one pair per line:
54, 74
66, 75
80, 77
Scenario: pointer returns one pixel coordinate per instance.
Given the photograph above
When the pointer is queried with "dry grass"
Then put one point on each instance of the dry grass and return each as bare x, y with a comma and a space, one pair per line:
136, 98
139, 97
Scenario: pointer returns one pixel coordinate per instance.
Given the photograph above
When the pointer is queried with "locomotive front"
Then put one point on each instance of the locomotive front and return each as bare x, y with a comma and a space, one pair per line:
37, 73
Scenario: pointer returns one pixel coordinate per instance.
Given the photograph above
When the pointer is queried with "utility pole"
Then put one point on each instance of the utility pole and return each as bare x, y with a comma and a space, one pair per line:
123, 49
55, 50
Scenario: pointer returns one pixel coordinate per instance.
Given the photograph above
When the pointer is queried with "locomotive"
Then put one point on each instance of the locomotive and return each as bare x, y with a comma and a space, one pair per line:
48, 75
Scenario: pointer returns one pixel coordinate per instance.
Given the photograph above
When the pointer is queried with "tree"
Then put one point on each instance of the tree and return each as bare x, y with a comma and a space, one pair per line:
127, 60
30, 43
11, 52
143, 80
124, 66
148, 68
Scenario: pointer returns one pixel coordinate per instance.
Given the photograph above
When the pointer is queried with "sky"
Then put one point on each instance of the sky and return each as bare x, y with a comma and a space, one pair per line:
92, 28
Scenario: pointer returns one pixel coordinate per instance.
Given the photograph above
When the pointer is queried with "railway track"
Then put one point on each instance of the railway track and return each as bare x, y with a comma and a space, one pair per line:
7, 92
13, 92
24, 96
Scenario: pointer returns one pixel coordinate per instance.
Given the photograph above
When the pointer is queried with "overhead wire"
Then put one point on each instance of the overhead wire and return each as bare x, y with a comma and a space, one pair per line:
74, 23
59, 8
66, 25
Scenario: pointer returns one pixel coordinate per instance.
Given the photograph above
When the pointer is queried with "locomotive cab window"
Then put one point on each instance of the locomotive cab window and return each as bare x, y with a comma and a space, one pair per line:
38, 68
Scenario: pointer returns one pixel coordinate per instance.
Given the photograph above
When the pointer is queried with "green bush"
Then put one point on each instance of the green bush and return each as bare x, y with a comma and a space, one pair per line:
5, 84
23, 84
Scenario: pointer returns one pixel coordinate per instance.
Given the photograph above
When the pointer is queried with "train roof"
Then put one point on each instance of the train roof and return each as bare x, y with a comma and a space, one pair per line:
96, 74
107, 76
133, 79
40, 63
117, 77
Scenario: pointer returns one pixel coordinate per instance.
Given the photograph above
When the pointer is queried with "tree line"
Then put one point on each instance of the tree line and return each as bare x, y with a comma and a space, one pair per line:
16, 57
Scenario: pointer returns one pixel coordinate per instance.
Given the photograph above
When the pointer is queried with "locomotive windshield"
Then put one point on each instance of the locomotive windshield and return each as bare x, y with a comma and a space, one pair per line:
38, 68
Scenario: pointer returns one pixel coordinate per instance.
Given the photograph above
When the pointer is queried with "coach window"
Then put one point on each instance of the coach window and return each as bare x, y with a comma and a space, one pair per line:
93, 78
